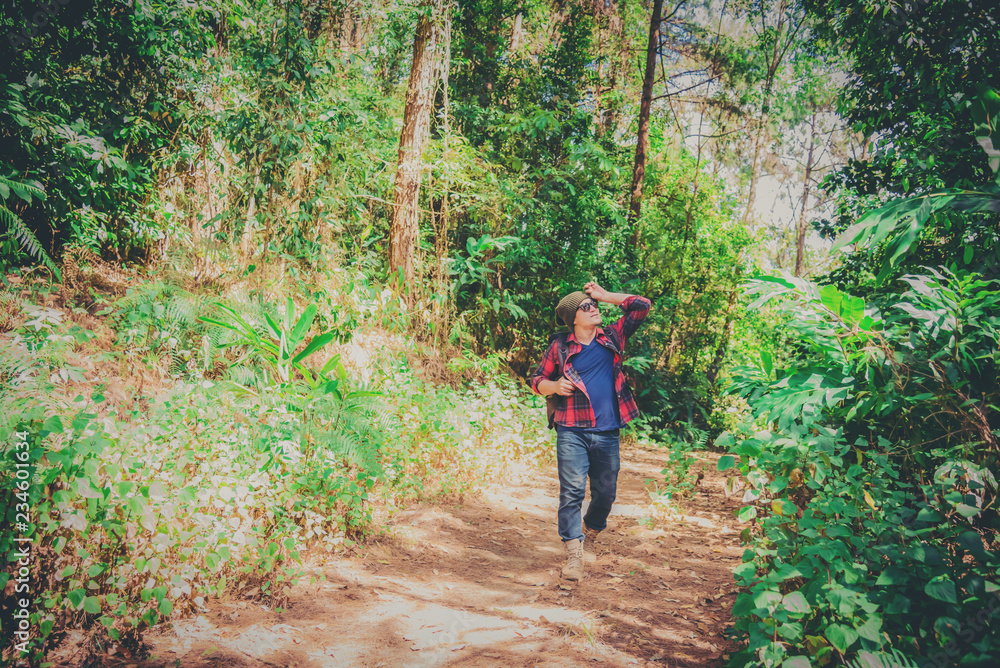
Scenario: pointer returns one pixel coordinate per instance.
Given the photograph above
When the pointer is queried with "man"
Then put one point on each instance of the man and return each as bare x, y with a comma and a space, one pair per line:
595, 402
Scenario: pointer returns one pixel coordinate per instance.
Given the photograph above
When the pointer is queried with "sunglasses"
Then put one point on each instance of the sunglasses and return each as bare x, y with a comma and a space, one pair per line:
586, 307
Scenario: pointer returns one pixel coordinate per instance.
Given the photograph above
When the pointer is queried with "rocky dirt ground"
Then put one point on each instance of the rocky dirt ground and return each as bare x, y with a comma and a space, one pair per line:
478, 585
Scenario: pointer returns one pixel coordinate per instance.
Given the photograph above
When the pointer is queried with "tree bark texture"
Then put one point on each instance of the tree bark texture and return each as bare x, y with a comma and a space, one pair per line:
517, 34
412, 141
642, 140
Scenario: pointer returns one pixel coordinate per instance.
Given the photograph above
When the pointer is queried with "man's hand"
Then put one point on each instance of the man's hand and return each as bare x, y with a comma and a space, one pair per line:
564, 386
596, 292
599, 294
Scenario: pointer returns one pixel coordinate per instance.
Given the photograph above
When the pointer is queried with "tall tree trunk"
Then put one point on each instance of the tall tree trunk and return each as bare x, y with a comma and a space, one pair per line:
248, 226
642, 141
412, 141
517, 34
800, 237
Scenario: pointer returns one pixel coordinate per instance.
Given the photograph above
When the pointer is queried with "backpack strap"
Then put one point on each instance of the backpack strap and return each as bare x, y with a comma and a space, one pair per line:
562, 350
614, 339
561, 340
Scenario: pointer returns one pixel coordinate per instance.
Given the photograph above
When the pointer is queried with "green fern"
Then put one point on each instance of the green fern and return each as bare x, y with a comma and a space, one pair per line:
895, 659
355, 433
245, 376
16, 227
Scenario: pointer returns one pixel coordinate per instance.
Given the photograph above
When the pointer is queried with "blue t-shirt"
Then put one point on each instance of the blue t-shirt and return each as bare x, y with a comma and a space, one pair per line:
595, 364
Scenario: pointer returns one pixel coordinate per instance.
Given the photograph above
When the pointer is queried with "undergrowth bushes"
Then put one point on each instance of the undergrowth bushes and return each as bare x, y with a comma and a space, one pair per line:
871, 474
218, 487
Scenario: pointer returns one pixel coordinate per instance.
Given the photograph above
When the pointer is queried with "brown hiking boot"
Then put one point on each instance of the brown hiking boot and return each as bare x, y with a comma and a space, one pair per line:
573, 570
589, 535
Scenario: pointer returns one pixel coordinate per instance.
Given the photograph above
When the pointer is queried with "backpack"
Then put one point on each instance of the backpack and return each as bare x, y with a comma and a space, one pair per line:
562, 352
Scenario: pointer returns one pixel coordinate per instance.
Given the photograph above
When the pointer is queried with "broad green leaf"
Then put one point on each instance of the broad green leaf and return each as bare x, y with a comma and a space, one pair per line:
52, 425
725, 463
314, 345
790, 631
965, 510
795, 602
725, 440
330, 364
871, 628
745, 572
273, 326
92, 604
85, 489
947, 627
796, 662
841, 636
767, 362
928, 515
892, 576
76, 597
304, 323
783, 507
942, 589
744, 605
831, 298
766, 599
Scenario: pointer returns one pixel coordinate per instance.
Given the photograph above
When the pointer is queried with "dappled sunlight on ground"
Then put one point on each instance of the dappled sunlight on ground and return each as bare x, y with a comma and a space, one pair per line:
478, 584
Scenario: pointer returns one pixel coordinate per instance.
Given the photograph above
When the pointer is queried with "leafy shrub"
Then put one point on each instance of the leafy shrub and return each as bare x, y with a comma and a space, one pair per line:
872, 490
218, 489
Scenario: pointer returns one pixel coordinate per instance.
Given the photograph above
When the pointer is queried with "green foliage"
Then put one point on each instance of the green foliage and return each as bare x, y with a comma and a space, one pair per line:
142, 515
158, 319
899, 229
910, 94
870, 532
16, 229
910, 87
680, 480
281, 345
92, 103
880, 467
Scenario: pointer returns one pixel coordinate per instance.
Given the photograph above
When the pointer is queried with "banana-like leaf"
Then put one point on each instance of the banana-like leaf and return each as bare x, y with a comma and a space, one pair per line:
330, 365
273, 326
333, 387
302, 326
314, 345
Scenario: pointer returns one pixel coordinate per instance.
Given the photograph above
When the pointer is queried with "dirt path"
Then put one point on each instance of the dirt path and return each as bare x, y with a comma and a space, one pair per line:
478, 585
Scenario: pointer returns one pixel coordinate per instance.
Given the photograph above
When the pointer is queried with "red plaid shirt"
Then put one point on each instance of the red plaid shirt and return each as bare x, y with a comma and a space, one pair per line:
575, 410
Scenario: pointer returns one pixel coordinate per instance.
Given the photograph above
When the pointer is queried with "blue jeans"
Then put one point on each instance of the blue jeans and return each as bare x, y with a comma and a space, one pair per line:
581, 454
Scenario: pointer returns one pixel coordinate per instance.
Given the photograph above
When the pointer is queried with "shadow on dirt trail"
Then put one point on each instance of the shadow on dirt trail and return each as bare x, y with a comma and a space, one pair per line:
478, 585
